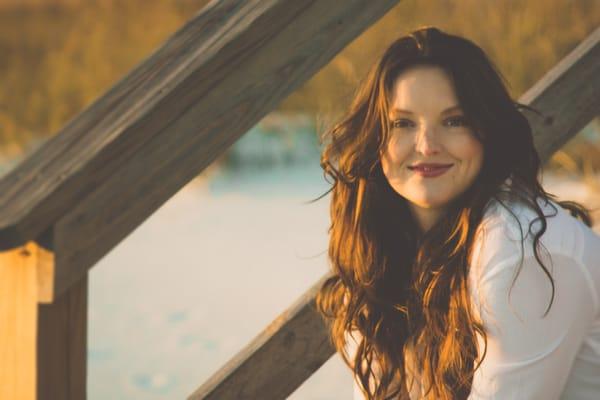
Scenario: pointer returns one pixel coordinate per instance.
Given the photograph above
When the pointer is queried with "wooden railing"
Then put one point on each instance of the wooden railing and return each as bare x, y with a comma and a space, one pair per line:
75, 198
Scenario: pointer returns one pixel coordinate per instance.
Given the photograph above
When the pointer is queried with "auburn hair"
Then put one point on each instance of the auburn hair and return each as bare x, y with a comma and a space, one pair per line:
405, 293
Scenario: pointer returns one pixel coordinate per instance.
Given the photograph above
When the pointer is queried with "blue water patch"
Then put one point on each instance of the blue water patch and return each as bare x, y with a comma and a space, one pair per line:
591, 132
210, 344
278, 180
194, 339
275, 141
177, 316
157, 382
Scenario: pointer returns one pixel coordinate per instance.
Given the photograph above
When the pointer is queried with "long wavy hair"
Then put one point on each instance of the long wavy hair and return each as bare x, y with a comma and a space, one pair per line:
406, 293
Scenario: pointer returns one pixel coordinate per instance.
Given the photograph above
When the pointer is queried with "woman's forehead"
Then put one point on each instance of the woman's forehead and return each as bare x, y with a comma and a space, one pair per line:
424, 89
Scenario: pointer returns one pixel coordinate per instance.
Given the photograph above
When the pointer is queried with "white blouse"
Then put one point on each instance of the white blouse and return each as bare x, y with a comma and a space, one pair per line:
531, 357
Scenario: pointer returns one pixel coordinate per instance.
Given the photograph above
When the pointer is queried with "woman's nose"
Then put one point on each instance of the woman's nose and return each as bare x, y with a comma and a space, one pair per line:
426, 142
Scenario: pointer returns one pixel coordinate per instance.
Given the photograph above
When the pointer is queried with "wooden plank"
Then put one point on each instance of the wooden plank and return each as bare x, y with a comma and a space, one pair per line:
568, 95
62, 345
18, 322
48, 182
277, 361
62, 330
183, 106
267, 362
265, 50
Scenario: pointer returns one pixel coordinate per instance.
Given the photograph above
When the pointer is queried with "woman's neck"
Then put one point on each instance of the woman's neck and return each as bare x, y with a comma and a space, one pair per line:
425, 218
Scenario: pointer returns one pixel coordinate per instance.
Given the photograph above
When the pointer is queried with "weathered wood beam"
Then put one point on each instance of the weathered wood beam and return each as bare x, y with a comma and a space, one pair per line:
117, 162
283, 356
255, 370
62, 345
568, 95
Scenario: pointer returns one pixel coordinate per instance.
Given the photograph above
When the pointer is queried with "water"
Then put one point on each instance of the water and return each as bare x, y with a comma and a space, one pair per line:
203, 276
209, 270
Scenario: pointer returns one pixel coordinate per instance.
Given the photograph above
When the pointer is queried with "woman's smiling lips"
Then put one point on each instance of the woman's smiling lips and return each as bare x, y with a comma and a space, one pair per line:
430, 170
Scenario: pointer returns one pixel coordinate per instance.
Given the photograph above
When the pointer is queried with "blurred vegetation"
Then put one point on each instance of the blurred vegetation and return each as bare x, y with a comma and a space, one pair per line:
58, 55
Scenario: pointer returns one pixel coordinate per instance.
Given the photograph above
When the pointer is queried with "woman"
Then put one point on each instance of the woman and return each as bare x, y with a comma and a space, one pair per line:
455, 274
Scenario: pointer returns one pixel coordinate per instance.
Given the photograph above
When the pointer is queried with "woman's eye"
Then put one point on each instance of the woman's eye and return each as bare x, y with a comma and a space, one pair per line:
402, 123
456, 121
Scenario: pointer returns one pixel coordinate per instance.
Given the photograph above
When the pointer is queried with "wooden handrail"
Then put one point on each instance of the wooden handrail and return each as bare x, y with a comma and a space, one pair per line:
114, 164
568, 95
279, 357
118, 161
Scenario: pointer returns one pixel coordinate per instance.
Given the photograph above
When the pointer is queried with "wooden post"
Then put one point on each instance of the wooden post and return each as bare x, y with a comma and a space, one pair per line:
62, 345
25, 272
43, 341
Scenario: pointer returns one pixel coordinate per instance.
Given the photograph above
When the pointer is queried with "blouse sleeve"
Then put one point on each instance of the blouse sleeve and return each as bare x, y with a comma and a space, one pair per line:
529, 356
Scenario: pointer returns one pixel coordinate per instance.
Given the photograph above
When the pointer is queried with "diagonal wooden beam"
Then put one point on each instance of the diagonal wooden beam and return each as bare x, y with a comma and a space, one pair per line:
117, 162
283, 356
569, 93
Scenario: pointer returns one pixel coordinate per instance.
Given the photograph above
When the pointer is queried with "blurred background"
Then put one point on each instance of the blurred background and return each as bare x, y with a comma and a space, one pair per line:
172, 303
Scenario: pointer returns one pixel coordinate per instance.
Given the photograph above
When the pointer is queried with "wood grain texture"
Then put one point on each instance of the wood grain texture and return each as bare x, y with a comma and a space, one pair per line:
154, 131
568, 96
266, 362
18, 322
116, 163
62, 345
208, 84
201, 117
278, 360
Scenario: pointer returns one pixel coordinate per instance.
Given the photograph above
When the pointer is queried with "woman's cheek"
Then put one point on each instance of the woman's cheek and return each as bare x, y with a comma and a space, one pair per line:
464, 145
393, 158
401, 148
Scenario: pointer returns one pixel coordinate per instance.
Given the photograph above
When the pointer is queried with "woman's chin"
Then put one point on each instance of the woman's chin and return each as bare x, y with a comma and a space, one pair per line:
428, 199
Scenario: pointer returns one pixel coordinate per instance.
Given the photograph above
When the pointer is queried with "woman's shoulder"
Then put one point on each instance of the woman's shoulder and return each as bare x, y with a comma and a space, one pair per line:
508, 228
512, 223
503, 254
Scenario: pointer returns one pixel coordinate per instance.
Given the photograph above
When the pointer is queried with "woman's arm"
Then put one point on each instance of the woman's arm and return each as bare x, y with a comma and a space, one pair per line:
529, 356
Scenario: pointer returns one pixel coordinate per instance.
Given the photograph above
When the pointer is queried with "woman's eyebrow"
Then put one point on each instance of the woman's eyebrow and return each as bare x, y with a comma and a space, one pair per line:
401, 111
446, 111
451, 109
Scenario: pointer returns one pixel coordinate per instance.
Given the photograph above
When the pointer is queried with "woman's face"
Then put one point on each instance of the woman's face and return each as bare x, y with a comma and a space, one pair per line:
428, 127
